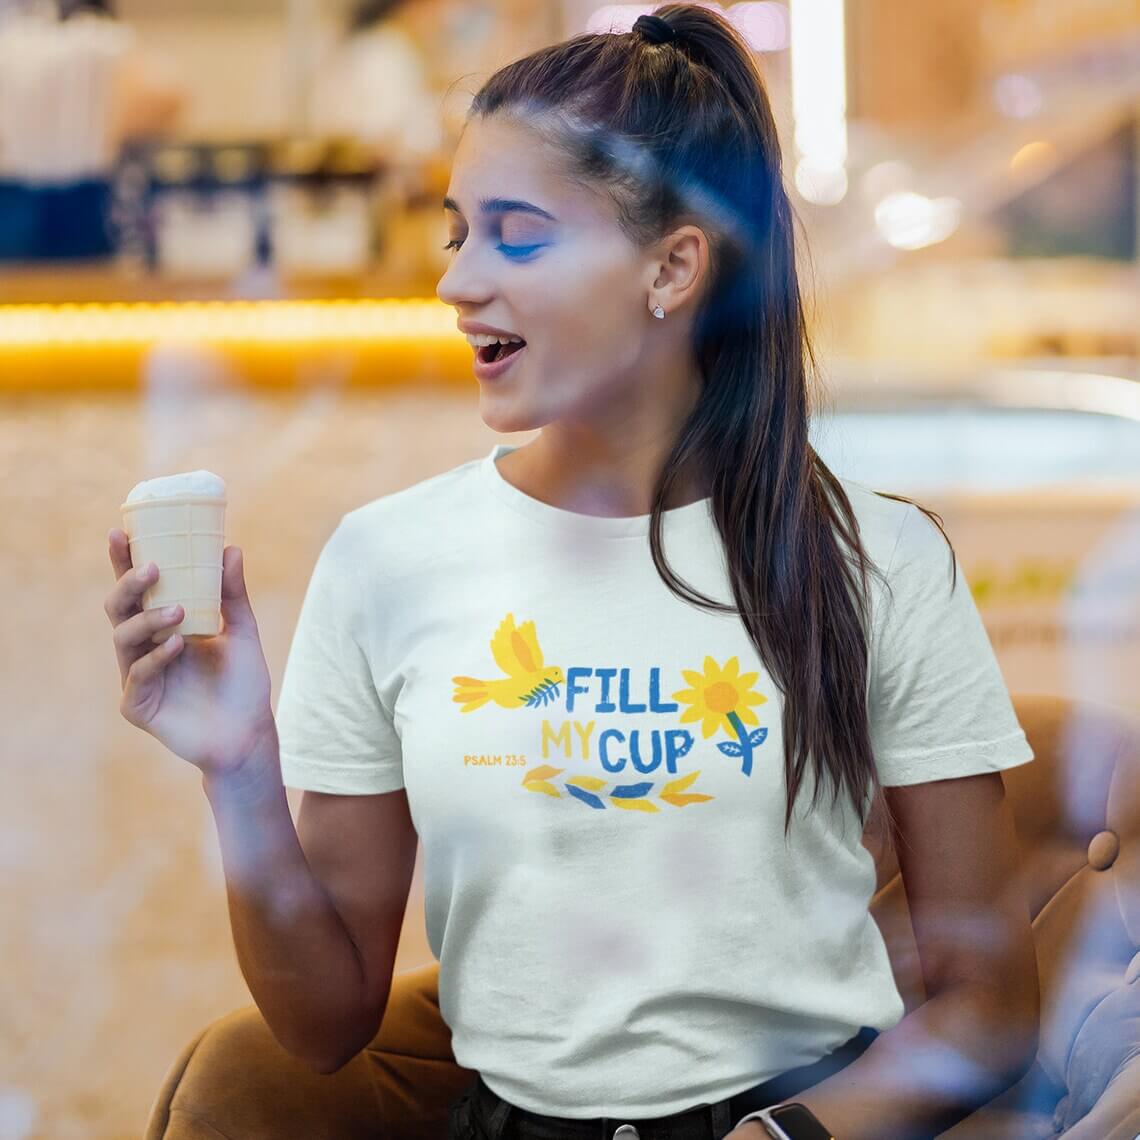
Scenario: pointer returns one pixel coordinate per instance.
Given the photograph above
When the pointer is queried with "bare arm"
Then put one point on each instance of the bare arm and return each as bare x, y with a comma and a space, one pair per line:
315, 934
977, 1032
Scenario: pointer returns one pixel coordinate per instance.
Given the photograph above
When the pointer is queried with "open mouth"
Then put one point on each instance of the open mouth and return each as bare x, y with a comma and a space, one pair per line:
489, 353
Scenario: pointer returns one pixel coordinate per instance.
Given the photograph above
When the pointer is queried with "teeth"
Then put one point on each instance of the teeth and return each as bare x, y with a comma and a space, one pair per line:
480, 340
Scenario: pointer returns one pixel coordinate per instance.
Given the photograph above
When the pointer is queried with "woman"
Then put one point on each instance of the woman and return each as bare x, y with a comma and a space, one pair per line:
73, 91
376, 86
640, 782
149, 97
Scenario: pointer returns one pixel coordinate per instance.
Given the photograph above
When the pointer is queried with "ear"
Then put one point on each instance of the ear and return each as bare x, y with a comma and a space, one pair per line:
681, 267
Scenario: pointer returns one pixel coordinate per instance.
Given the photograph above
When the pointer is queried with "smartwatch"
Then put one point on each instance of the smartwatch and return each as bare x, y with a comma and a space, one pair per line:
791, 1121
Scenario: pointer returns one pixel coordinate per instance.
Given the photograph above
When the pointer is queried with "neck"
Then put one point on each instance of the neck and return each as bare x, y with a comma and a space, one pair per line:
592, 481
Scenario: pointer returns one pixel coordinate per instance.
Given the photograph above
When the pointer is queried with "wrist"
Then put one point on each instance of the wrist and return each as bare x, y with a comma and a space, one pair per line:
251, 777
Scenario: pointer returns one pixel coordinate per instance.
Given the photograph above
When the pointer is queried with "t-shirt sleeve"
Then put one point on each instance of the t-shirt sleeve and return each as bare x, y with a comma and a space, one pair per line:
938, 704
335, 733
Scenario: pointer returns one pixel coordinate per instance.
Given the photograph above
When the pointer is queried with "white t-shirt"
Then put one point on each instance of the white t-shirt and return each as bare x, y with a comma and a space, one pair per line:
595, 772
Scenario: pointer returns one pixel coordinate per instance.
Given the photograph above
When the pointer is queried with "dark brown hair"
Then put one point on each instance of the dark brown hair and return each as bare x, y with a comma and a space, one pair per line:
69, 8
365, 13
683, 131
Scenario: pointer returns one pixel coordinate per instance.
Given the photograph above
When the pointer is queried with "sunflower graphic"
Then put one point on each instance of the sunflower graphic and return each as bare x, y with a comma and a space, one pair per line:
719, 699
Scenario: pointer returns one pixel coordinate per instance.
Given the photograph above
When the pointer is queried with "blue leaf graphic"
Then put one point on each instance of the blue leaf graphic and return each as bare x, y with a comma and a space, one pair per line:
588, 798
632, 791
542, 694
757, 736
730, 748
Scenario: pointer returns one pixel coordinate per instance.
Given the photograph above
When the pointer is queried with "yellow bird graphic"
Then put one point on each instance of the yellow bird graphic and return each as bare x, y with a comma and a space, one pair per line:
528, 682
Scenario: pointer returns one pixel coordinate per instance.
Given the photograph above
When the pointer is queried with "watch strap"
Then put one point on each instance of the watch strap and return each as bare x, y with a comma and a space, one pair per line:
760, 1114
772, 1127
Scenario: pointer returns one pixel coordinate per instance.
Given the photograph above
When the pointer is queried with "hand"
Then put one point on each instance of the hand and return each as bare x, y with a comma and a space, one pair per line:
206, 699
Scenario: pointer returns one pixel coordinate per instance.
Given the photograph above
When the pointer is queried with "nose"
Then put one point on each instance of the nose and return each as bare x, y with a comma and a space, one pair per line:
461, 284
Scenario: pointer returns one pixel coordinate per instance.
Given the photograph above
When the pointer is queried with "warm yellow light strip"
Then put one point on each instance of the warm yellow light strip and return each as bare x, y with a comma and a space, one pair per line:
270, 322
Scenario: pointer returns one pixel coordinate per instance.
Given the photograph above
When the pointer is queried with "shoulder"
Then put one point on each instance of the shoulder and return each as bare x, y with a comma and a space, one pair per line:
882, 520
908, 548
433, 493
404, 528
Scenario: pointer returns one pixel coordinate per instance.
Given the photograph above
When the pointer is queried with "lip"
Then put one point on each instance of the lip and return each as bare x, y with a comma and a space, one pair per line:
490, 330
497, 368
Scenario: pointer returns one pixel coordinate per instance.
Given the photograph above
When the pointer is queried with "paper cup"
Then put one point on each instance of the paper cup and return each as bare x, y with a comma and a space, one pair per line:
184, 536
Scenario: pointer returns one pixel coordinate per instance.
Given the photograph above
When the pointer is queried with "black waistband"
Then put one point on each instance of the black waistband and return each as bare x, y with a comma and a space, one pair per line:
784, 1086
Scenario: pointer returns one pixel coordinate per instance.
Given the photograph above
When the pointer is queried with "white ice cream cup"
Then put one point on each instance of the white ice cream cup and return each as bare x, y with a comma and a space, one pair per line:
184, 536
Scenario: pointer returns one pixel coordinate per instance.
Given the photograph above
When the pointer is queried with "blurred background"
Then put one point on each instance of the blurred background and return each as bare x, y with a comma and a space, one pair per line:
220, 234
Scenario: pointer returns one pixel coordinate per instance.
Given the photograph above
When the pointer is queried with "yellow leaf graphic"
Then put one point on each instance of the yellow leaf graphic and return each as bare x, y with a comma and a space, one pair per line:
542, 786
634, 805
587, 783
542, 772
679, 784
680, 801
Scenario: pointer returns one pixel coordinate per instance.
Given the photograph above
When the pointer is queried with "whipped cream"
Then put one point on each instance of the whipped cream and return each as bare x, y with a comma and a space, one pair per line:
185, 483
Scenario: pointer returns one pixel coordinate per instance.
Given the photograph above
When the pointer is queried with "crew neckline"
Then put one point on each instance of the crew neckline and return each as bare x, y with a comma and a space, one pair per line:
602, 526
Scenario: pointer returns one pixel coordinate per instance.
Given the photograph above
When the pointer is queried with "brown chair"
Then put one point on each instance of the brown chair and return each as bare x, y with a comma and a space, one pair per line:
1077, 808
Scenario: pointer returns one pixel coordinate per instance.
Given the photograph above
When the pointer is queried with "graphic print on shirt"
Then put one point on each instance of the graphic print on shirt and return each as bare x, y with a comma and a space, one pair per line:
719, 697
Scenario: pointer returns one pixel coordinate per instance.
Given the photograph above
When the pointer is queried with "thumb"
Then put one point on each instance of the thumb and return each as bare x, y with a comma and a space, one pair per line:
236, 609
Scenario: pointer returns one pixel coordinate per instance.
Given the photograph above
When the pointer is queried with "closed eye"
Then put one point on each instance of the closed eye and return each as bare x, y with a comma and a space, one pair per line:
509, 250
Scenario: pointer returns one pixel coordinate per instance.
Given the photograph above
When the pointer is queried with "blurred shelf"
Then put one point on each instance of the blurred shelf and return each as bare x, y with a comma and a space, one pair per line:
102, 283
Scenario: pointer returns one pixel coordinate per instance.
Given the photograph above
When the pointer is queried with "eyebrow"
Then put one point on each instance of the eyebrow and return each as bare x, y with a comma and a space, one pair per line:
502, 206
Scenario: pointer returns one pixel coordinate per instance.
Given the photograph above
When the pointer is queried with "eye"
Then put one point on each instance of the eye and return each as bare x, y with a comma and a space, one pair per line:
518, 250
509, 250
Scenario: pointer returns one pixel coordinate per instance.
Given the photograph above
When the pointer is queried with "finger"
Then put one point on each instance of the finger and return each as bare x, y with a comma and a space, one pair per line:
143, 673
125, 599
139, 629
134, 638
237, 612
119, 550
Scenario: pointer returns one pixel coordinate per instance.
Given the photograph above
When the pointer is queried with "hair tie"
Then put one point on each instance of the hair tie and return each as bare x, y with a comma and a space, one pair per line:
655, 29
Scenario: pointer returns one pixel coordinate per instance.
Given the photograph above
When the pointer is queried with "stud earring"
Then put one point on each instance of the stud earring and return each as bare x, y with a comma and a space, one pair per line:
659, 313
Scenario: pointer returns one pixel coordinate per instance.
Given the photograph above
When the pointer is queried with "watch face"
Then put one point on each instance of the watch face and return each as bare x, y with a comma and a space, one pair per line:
798, 1123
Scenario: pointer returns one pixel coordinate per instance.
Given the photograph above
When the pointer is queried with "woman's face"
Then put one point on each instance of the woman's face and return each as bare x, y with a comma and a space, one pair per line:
570, 284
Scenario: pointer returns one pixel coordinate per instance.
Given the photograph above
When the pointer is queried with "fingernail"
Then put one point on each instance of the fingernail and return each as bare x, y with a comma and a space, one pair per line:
144, 572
